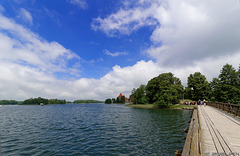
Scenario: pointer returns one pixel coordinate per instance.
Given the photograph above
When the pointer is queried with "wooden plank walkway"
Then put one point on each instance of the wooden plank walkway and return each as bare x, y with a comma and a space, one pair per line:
220, 132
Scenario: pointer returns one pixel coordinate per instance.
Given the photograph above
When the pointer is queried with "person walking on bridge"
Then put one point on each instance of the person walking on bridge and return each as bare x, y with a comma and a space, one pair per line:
199, 102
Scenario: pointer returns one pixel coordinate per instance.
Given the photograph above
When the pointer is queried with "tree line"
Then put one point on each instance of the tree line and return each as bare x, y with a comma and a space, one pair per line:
166, 89
39, 100
9, 102
225, 88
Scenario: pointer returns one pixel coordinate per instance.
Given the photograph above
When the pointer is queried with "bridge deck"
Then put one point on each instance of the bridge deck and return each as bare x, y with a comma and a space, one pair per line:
220, 132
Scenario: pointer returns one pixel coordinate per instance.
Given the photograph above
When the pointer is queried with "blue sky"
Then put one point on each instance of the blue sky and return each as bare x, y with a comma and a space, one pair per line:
70, 25
95, 49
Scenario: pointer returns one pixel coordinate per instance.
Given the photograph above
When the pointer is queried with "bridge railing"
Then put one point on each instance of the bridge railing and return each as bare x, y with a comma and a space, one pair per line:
192, 144
230, 108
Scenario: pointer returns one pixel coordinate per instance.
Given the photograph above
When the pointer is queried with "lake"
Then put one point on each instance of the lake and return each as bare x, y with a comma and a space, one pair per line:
91, 129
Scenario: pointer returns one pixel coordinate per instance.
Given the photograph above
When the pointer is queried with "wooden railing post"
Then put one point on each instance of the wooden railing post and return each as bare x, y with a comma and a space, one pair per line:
238, 111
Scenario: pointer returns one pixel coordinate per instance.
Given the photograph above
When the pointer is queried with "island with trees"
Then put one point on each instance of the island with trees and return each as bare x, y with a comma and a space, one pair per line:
40, 100
9, 102
44, 101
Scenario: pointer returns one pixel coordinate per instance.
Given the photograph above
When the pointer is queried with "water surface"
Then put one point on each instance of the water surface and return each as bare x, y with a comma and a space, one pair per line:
91, 129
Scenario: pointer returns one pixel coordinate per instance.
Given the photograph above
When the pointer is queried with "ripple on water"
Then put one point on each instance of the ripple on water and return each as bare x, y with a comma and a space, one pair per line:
94, 129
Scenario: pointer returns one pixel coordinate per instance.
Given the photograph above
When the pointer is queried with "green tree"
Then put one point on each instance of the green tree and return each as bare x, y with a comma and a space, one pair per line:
108, 101
139, 95
117, 100
56, 101
8, 102
215, 89
133, 96
35, 101
226, 87
198, 86
122, 99
164, 90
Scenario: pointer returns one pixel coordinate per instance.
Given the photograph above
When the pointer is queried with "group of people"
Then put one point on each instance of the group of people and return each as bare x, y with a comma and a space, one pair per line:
199, 102
202, 102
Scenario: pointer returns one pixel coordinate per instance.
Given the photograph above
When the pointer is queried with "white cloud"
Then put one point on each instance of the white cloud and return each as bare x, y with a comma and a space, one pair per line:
29, 64
185, 31
189, 36
20, 45
196, 30
125, 21
25, 16
80, 3
107, 52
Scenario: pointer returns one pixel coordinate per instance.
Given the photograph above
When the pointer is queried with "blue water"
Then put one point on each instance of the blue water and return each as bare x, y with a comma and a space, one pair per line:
91, 129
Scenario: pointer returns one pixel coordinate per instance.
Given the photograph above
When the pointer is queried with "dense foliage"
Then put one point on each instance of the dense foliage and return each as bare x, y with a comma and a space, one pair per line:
164, 90
139, 95
121, 100
198, 87
226, 88
87, 101
35, 101
116, 101
108, 101
56, 101
39, 100
9, 102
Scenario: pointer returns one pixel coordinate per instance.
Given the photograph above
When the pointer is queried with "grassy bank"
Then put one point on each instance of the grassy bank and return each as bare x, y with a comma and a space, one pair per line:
146, 106
151, 106
180, 106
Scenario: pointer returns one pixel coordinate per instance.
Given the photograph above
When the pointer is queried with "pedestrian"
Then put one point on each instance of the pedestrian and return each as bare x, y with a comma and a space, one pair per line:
204, 102
199, 102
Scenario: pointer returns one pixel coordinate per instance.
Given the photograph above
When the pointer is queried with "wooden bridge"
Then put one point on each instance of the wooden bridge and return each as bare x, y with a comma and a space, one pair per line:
214, 131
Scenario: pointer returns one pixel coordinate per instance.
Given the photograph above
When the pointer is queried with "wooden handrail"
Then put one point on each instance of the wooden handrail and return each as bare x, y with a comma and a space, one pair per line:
230, 108
192, 144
